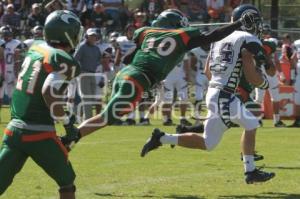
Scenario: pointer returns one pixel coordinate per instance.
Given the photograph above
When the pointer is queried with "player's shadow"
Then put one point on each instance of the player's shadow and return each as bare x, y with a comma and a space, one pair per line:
269, 195
282, 167
173, 196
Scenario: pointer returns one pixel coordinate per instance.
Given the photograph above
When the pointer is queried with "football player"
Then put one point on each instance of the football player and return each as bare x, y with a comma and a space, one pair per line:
227, 59
159, 49
37, 34
176, 80
296, 56
12, 51
37, 100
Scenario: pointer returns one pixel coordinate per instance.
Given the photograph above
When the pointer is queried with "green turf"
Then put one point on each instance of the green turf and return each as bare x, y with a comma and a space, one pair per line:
108, 165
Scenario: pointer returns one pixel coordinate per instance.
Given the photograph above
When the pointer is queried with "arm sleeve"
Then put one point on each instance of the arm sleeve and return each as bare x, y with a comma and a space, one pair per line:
215, 35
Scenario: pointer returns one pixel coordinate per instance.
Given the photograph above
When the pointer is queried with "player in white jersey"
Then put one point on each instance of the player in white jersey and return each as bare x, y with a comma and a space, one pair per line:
37, 34
11, 56
227, 58
197, 59
176, 80
124, 43
297, 85
270, 45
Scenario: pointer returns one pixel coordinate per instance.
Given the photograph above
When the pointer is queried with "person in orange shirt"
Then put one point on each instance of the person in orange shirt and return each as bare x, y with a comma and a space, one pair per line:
288, 69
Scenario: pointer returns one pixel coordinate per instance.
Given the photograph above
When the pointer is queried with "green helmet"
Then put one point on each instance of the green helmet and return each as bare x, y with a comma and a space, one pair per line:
63, 27
171, 18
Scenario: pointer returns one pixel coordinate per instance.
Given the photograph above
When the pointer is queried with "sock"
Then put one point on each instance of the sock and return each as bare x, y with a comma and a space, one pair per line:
248, 163
276, 118
131, 115
182, 117
142, 114
165, 118
169, 139
70, 107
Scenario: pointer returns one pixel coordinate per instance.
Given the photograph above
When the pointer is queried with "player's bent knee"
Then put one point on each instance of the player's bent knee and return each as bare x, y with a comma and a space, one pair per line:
67, 189
210, 144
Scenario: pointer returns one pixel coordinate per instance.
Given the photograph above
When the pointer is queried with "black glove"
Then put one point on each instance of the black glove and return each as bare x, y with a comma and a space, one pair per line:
249, 18
72, 134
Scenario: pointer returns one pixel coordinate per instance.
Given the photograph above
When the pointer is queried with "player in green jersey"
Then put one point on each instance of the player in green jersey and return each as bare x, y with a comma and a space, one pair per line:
37, 100
158, 50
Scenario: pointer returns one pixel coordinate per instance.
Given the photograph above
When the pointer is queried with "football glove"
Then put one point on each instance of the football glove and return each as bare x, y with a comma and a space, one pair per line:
72, 134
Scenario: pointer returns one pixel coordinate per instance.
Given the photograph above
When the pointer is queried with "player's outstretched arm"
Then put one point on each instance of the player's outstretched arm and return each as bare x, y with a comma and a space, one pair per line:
219, 33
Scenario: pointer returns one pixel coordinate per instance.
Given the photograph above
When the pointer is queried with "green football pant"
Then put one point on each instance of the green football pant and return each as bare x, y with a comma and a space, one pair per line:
128, 88
44, 148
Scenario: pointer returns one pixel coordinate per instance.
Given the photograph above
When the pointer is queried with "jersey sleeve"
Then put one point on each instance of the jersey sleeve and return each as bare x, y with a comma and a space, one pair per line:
137, 36
252, 44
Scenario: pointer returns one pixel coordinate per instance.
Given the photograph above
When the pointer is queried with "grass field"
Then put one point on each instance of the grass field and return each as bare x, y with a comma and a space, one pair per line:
108, 166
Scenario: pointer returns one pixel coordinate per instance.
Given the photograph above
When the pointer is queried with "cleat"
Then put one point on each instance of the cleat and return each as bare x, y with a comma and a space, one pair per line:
144, 122
185, 122
257, 157
296, 124
169, 122
129, 122
153, 142
279, 124
257, 175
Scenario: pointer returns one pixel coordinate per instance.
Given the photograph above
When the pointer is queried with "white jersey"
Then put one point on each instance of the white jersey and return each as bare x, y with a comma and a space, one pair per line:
125, 44
225, 58
9, 52
201, 58
29, 42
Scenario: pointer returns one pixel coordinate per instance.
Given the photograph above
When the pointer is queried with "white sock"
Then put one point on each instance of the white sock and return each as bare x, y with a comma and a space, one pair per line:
131, 115
276, 118
169, 139
165, 118
248, 163
142, 114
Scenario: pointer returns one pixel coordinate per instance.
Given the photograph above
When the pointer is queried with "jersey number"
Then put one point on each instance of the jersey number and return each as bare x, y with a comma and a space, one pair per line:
163, 48
36, 68
227, 53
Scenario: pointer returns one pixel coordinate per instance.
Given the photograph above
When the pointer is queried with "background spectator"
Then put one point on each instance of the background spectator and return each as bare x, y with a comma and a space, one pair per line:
152, 8
99, 18
197, 10
88, 55
13, 19
216, 9
36, 17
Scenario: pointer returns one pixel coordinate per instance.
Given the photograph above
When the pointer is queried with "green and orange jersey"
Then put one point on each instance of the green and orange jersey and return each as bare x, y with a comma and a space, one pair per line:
160, 50
28, 104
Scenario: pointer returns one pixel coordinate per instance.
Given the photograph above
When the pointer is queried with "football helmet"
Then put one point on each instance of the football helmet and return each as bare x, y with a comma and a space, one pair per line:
37, 31
256, 27
63, 27
171, 18
6, 31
